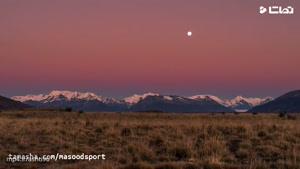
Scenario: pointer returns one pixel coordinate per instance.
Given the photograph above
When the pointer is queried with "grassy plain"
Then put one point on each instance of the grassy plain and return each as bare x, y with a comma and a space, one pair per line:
153, 140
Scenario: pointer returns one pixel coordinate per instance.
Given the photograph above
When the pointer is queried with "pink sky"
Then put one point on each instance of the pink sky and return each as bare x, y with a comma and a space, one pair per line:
118, 48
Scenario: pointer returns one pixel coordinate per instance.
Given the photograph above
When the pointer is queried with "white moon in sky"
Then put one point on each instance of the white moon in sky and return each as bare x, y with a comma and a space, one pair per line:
189, 33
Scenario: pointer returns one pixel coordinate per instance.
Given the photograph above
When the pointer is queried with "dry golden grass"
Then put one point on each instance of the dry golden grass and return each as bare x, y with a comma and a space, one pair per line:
153, 141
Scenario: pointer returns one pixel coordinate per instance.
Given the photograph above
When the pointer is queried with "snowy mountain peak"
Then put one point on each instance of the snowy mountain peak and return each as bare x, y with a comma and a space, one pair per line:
212, 97
239, 103
168, 98
136, 98
251, 101
57, 95
29, 97
75, 95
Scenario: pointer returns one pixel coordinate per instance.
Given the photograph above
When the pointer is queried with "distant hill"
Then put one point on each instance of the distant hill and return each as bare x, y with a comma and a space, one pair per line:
8, 104
289, 102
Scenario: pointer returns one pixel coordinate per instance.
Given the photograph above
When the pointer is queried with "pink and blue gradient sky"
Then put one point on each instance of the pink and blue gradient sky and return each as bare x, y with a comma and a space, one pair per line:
117, 47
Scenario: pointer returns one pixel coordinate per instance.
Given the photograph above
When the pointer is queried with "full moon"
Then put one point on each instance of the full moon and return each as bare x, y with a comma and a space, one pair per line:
189, 33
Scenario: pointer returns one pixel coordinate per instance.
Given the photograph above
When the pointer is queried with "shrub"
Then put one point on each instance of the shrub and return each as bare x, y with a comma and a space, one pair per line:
234, 145
236, 113
181, 153
242, 154
282, 114
88, 123
269, 153
291, 117
126, 132
261, 134
145, 153
156, 142
99, 130
80, 111
68, 109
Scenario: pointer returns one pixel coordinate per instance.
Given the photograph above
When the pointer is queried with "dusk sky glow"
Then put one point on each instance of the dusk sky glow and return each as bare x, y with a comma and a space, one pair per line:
119, 48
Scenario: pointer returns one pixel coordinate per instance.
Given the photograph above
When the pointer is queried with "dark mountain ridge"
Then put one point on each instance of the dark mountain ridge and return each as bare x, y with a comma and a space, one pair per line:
8, 104
289, 102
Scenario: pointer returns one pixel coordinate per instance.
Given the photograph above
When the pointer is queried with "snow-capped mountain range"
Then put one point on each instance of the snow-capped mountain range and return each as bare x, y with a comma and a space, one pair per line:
57, 95
239, 103
148, 101
136, 98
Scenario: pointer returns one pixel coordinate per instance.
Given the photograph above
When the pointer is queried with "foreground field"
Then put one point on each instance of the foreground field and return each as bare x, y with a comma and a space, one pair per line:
153, 141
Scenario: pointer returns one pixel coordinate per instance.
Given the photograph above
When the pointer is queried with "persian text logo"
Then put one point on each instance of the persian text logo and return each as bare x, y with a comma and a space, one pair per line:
276, 10
262, 10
